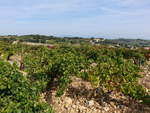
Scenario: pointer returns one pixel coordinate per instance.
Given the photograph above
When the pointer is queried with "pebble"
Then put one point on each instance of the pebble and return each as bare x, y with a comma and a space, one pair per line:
90, 103
68, 101
106, 108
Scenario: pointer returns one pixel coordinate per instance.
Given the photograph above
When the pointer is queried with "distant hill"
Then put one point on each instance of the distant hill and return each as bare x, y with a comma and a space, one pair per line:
75, 40
128, 42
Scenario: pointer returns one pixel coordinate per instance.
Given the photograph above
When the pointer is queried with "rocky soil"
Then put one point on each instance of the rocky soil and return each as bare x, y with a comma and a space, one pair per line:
81, 97
145, 80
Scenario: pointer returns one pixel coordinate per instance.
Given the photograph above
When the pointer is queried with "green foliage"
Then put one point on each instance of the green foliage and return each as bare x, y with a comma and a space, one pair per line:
109, 68
17, 94
134, 90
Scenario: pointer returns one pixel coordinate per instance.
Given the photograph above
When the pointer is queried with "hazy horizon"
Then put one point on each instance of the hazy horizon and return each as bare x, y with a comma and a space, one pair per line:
82, 18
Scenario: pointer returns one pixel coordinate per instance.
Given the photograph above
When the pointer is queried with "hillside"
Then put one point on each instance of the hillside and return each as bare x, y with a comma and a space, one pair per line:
73, 79
76, 40
128, 42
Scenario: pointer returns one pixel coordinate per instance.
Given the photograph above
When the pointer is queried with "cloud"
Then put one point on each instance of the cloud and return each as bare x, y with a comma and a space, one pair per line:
133, 2
34, 8
78, 16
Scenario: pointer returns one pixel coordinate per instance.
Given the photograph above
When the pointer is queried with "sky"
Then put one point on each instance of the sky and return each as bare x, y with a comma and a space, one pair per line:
86, 18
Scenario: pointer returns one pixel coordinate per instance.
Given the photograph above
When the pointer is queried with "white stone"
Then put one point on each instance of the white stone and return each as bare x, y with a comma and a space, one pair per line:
106, 108
68, 101
90, 103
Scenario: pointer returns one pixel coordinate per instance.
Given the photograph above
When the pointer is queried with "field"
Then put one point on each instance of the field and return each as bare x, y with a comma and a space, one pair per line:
29, 73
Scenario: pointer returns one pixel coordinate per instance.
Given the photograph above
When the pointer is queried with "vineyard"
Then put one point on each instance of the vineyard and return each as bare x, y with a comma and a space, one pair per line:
36, 68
